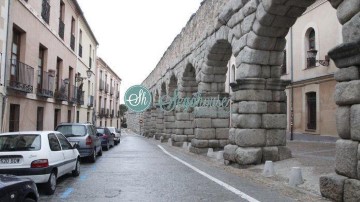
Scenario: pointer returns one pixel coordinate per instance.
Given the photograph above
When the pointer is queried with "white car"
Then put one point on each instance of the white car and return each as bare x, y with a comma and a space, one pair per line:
42, 156
117, 134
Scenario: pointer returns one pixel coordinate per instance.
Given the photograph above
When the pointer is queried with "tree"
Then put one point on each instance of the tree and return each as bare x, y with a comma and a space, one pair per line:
123, 109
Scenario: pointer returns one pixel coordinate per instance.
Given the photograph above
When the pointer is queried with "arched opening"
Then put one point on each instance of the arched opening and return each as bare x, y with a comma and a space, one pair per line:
310, 48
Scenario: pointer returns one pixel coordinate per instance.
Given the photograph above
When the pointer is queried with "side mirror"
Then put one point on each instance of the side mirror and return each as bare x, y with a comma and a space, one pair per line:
76, 146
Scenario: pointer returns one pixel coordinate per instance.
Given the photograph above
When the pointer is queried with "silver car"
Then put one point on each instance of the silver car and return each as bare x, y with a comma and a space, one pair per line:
84, 134
117, 133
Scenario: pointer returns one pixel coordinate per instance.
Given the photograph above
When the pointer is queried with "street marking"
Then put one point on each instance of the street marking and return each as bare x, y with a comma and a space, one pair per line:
221, 183
83, 177
66, 193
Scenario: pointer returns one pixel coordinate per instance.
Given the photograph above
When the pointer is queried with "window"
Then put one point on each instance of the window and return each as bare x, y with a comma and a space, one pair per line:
39, 119
69, 116
15, 55
54, 142
45, 11
77, 116
58, 73
15, 143
14, 118
90, 59
233, 73
61, 20
65, 145
311, 110
88, 117
72, 130
56, 117
72, 35
311, 48
80, 44
40, 68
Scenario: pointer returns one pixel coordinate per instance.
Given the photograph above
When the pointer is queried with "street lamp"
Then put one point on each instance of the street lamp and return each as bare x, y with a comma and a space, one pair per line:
78, 77
312, 58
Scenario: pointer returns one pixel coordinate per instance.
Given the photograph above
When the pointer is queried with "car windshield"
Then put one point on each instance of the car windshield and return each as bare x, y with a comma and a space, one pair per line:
26, 142
100, 130
72, 130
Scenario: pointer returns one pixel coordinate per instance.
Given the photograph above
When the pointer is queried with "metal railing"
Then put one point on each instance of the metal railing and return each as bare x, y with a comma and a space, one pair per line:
61, 94
76, 95
102, 112
111, 90
45, 84
21, 76
112, 114
117, 94
90, 62
107, 113
61, 28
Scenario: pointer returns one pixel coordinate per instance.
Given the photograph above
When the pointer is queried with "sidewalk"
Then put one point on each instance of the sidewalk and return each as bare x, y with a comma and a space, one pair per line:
315, 159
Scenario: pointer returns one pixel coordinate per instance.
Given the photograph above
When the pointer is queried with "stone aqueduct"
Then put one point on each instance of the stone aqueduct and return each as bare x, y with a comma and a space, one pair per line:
253, 31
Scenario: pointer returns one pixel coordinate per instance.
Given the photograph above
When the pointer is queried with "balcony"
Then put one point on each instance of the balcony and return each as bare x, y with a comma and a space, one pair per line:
45, 84
107, 88
21, 77
61, 94
117, 94
102, 113
45, 12
72, 42
80, 50
61, 29
112, 115
76, 95
90, 62
107, 113
90, 101
101, 85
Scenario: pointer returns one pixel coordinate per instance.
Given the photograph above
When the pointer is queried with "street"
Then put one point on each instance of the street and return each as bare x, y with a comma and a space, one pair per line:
139, 170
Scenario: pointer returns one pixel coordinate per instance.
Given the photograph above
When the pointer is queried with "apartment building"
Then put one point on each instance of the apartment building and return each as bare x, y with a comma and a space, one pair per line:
4, 8
45, 78
310, 97
107, 95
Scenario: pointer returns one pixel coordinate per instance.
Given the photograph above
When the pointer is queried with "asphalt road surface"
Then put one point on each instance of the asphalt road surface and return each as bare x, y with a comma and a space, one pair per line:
138, 169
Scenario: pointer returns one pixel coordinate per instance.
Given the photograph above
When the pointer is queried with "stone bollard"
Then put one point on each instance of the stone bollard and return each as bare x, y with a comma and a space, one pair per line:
210, 152
268, 169
295, 177
169, 142
220, 155
185, 145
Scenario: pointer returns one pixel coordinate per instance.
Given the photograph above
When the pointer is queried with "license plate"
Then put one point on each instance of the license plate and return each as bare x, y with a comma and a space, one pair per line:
10, 161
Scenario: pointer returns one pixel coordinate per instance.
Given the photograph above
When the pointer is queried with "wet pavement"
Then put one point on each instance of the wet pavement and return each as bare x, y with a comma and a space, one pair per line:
139, 170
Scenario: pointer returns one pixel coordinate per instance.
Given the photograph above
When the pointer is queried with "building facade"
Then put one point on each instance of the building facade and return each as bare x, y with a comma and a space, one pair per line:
311, 106
44, 78
4, 13
107, 96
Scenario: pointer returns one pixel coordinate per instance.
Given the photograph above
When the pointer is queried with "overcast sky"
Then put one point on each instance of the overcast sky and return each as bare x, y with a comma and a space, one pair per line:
134, 34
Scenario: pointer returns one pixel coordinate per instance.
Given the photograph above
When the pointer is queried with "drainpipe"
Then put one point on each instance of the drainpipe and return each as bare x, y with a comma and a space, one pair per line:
6, 62
292, 87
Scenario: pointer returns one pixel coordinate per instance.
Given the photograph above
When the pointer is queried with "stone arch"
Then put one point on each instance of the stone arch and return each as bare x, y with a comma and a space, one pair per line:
184, 113
173, 85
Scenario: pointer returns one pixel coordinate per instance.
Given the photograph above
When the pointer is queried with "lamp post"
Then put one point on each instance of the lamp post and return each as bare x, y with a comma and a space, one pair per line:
78, 78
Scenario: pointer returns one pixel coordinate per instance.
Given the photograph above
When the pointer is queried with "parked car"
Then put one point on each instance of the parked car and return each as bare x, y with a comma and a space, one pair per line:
42, 156
107, 139
13, 188
84, 134
117, 134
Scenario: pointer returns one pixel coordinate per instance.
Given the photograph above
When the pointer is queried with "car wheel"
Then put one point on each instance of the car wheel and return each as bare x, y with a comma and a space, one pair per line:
115, 142
107, 147
100, 152
76, 172
50, 185
29, 200
93, 156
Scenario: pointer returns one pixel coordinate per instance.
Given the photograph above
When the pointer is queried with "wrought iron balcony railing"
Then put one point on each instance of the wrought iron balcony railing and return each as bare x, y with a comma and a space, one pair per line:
45, 84
76, 95
21, 76
61, 94
72, 42
107, 113
90, 62
117, 94
45, 12
111, 90
90, 101
112, 114
61, 28
102, 112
